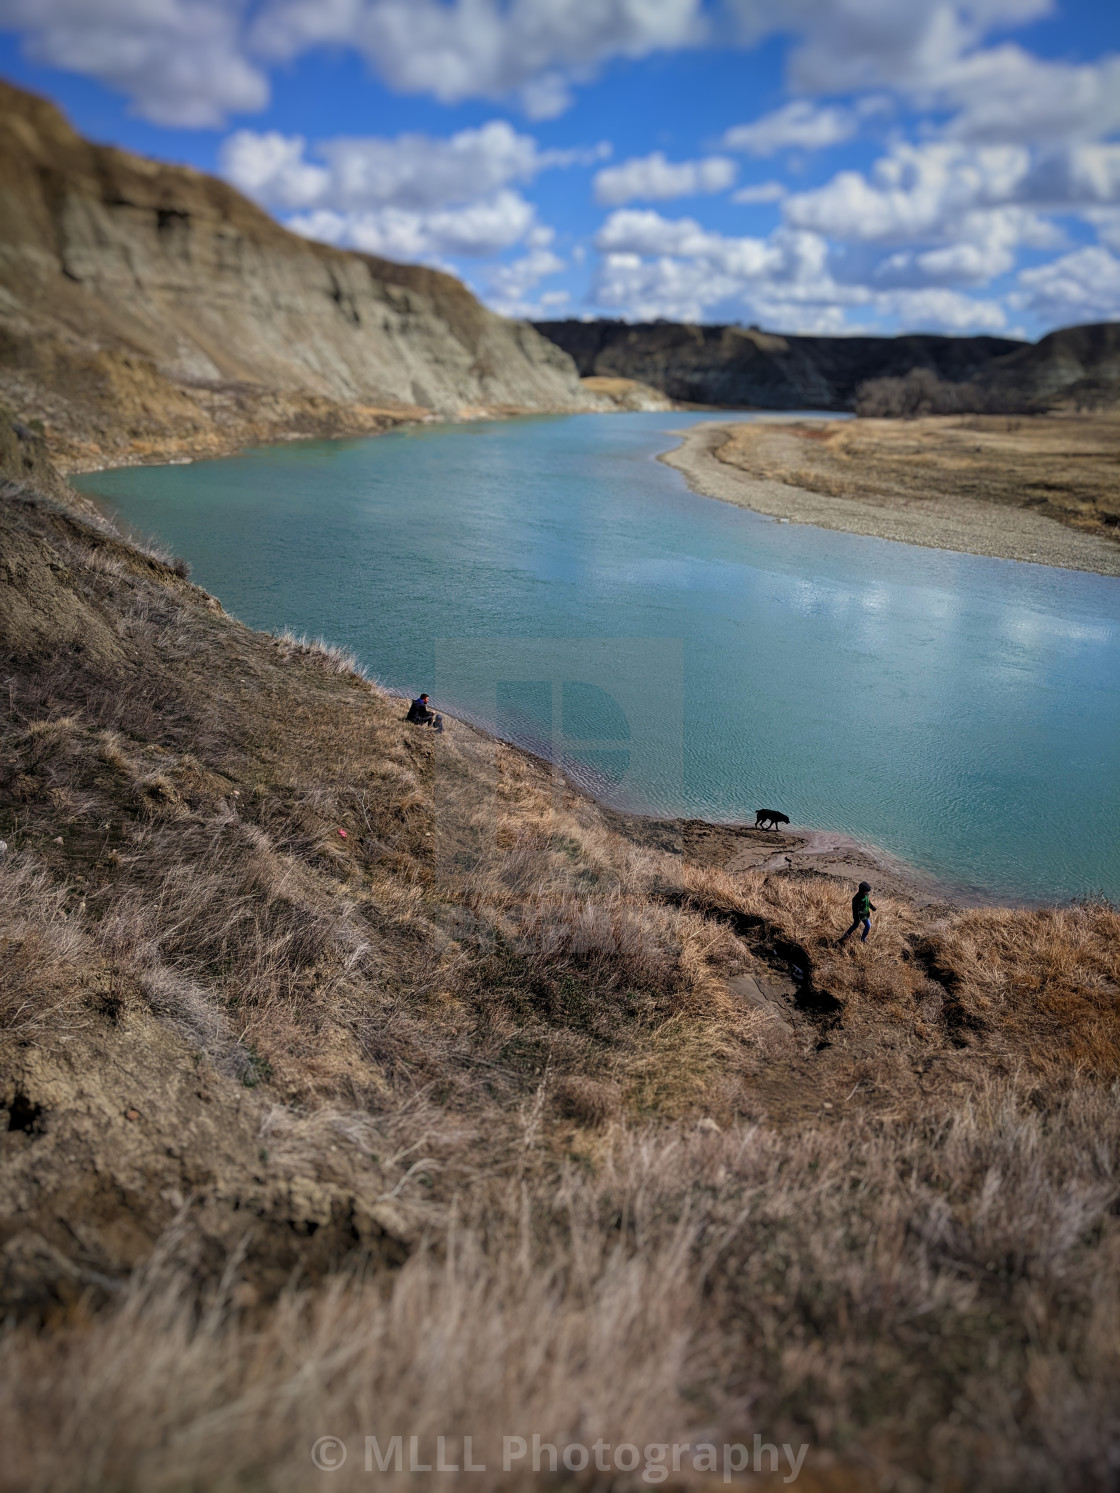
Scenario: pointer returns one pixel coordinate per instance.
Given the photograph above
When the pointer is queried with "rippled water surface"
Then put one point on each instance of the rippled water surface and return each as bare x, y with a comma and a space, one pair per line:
548, 577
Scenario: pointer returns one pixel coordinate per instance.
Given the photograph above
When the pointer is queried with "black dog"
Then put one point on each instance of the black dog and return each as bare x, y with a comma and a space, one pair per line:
769, 817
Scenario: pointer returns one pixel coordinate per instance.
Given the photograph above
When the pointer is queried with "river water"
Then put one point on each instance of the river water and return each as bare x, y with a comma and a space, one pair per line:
551, 580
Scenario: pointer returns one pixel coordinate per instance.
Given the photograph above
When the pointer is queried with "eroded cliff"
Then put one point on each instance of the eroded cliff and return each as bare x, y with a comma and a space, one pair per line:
147, 310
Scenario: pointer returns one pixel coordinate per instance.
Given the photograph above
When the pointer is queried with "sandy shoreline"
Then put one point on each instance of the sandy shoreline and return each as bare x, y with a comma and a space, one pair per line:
965, 525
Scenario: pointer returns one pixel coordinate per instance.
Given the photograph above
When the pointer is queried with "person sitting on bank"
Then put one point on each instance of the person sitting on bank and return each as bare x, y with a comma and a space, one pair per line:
862, 908
418, 712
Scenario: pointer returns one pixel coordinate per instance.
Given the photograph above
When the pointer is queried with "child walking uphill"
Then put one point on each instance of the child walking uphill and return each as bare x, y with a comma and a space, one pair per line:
862, 908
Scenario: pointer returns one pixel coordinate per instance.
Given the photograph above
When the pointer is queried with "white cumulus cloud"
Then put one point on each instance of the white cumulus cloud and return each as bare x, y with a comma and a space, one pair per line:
653, 178
482, 48
411, 171
955, 213
845, 46
1007, 94
914, 191
475, 231
411, 196
798, 125
1080, 287
939, 310
675, 268
653, 266
181, 62
763, 191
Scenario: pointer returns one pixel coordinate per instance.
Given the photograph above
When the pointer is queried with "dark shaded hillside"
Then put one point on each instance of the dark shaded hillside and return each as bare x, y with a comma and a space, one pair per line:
739, 367
1078, 365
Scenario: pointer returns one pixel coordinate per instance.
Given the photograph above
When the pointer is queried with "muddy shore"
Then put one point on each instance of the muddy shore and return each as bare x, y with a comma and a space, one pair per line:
794, 850
736, 847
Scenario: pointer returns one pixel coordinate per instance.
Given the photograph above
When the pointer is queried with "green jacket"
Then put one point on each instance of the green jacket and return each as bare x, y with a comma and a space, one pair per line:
862, 906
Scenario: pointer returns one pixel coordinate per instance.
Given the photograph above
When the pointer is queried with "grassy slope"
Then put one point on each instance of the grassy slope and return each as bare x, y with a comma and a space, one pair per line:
466, 1048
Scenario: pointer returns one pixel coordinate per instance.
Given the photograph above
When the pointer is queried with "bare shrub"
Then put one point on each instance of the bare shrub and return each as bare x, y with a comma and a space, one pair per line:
922, 392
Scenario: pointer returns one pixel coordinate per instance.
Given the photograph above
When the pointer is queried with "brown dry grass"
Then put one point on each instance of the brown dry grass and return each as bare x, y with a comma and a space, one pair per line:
934, 1305
454, 1126
1061, 465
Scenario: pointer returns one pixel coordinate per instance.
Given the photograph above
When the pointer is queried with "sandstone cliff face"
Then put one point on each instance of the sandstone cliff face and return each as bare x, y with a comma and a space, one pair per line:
146, 309
741, 367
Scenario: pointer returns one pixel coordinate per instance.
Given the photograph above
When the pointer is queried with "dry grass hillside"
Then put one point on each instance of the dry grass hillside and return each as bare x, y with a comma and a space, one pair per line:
362, 1081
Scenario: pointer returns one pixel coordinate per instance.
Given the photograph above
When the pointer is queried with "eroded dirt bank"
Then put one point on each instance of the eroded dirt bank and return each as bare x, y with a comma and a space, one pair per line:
1041, 488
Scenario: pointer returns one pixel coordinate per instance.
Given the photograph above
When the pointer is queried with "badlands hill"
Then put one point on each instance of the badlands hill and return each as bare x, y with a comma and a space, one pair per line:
1077, 366
147, 309
743, 367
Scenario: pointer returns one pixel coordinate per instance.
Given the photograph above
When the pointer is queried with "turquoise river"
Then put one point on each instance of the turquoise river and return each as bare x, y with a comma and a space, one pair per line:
549, 579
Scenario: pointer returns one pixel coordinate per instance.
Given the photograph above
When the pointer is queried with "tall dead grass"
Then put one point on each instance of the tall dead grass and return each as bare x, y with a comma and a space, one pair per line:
935, 1306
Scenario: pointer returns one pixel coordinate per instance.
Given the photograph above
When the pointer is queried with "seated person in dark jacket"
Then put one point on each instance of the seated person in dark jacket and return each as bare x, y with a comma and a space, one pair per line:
418, 712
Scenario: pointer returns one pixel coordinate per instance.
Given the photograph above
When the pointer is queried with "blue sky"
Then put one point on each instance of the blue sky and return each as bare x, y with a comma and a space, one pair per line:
822, 165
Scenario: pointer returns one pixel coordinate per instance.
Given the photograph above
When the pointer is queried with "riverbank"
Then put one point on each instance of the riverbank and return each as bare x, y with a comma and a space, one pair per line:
736, 848
261, 418
319, 1029
1040, 490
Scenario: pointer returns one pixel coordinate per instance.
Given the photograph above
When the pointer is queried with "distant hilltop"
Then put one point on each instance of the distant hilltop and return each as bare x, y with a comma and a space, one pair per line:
743, 367
148, 310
